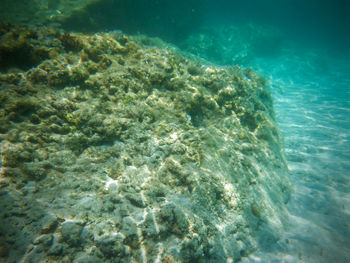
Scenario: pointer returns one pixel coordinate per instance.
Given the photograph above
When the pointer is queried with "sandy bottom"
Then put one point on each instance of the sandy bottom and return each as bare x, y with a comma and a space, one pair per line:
312, 103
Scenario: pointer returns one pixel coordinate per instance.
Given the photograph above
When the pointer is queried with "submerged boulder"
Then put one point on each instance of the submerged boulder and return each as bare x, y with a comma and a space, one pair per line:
141, 153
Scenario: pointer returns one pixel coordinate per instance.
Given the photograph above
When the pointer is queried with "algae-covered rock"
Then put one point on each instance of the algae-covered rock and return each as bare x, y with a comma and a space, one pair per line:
173, 219
71, 232
112, 246
137, 153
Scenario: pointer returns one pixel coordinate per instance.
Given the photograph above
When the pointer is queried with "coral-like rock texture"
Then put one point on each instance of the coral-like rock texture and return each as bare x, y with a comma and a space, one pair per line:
117, 151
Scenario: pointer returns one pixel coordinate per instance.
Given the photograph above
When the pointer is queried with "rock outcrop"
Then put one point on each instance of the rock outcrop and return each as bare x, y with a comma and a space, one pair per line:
117, 151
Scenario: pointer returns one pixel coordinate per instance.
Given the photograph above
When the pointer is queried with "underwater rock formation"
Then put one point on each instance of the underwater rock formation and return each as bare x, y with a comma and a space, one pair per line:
117, 151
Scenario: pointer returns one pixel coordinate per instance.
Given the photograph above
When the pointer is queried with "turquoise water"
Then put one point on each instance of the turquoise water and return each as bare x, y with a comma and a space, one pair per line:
312, 102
